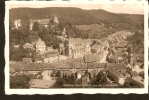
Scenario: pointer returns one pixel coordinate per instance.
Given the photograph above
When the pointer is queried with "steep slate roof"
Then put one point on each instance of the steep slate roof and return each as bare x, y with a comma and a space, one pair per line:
116, 73
91, 58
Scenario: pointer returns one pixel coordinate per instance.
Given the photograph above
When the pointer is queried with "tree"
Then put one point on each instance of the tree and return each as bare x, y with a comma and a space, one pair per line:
11, 24
36, 26
58, 74
100, 79
130, 85
72, 79
18, 54
93, 51
59, 83
141, 74
25, 21
51, 21
20, 81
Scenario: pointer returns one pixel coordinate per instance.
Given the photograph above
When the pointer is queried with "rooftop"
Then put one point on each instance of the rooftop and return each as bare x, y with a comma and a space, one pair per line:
116, 73
39, 83
110, 65
91, 58
34, 67
76, 64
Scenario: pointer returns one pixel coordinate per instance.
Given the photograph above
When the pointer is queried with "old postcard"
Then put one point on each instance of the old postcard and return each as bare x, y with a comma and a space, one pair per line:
71, 47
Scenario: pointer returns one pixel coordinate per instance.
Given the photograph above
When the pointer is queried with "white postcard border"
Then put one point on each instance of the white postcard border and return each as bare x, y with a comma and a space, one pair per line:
78, 90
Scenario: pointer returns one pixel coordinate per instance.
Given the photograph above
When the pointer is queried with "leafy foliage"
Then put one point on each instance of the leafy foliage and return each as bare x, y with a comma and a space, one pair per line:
100, 79
49, 38
20, 81
17, 54
36, 26
25, 21
72, 15
130, 85
137, 40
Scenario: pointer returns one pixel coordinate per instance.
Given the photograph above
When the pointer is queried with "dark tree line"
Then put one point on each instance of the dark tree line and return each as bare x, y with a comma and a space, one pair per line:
20, 81
137, 40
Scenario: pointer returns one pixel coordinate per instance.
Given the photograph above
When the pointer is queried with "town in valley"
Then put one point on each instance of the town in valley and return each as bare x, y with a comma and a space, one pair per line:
60, 47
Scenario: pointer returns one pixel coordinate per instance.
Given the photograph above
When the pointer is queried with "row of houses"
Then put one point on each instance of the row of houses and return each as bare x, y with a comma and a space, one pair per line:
90, 63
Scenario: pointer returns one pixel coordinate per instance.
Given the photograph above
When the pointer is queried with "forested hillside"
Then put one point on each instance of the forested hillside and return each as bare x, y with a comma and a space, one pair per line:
72, 15
126, 21
77, 16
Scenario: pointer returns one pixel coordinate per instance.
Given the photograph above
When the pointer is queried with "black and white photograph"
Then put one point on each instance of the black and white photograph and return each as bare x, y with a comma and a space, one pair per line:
76, 46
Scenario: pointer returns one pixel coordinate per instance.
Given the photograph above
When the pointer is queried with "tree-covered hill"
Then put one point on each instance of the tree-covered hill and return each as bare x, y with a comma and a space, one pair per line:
77, 16
115, 17
72, 15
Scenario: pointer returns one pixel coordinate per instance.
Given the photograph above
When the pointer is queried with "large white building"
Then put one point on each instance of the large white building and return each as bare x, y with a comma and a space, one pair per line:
17, 23
40, 46
55, 19
78, 47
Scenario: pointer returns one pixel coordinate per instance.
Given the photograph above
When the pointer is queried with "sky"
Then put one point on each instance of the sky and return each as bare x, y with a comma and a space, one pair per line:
115, 8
